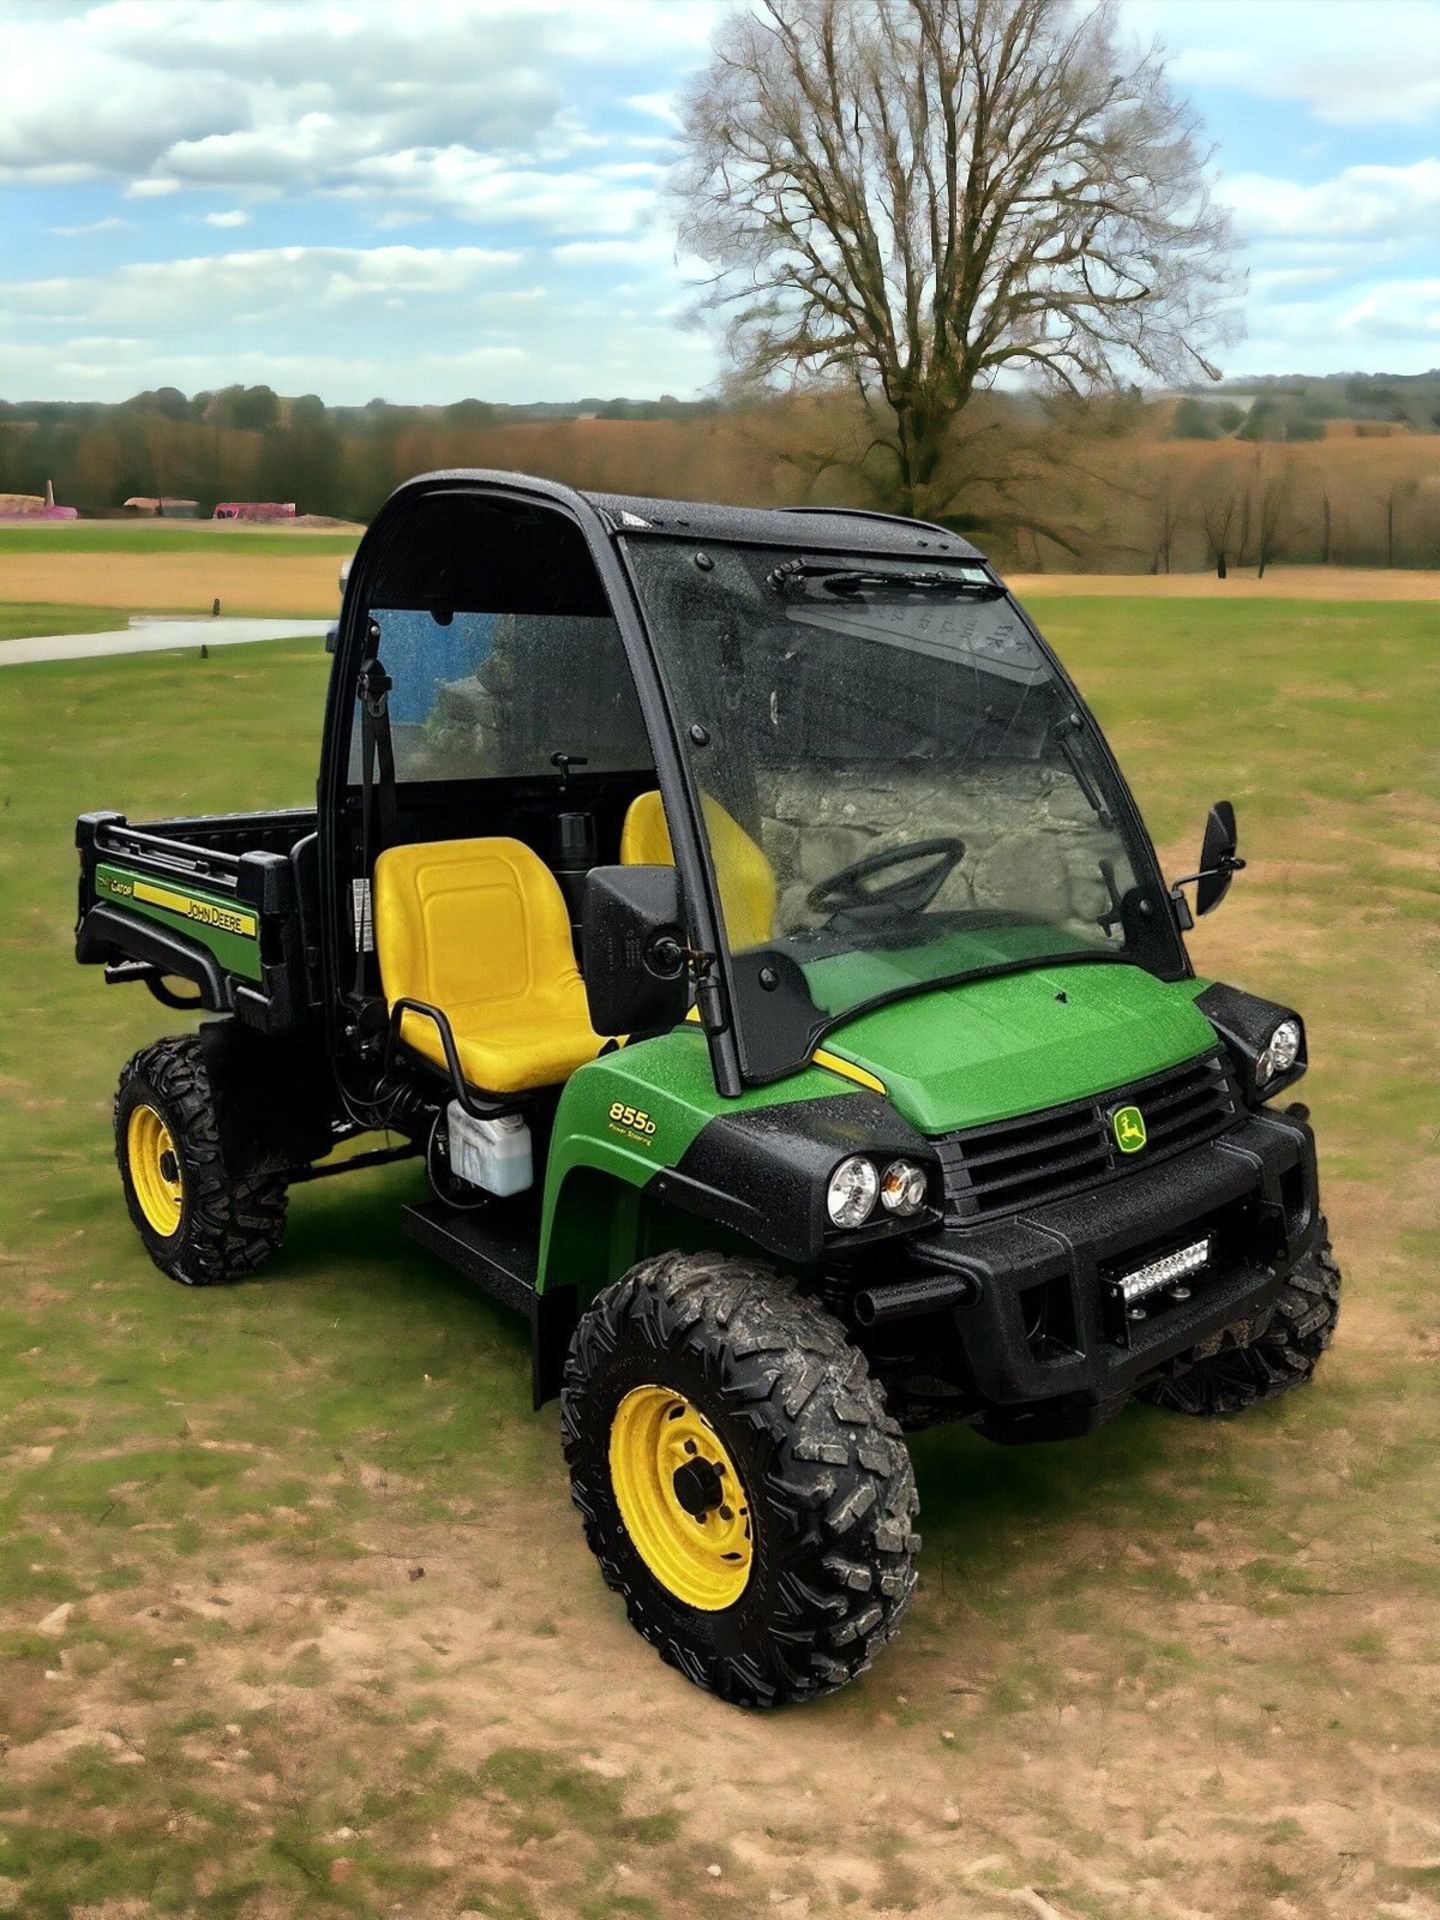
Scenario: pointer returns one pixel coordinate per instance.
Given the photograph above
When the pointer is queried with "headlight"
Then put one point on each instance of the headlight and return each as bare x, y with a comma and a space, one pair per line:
1281, 1053
1264, 1039
850, 1197
902, 1187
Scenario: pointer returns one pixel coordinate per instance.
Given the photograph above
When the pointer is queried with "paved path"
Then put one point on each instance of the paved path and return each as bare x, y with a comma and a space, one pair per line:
155, 636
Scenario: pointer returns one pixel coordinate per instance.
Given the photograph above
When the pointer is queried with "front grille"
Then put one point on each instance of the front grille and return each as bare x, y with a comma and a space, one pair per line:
1043, 1156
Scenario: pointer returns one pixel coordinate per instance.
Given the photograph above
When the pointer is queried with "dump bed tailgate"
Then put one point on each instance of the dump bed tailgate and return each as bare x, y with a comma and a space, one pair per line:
224, 901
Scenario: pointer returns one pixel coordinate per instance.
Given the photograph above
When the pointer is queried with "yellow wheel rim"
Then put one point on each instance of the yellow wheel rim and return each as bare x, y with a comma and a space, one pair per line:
155, 1170
682, 1502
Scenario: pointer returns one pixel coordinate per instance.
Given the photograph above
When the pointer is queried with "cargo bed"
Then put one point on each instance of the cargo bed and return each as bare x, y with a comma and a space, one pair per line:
225, 901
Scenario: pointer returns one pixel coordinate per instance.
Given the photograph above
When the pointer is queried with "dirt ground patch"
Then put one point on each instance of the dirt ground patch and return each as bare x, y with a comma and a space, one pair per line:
1280, 583
282, 583
972, 1782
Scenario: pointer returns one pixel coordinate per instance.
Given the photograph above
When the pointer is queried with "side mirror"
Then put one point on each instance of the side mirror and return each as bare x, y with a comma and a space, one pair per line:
1218, 865
635, 980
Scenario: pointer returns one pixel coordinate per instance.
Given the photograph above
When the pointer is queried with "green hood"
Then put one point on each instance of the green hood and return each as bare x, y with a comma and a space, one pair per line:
986, 1050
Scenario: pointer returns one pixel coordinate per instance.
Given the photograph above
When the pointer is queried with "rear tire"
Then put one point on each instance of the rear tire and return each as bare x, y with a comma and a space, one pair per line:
198, 1225
813, 1499
1284, 1356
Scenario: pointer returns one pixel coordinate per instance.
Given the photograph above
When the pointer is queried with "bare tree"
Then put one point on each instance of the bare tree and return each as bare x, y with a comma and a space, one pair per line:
920, 196
1169, 511
1396, 493
1273, 497
1220, 512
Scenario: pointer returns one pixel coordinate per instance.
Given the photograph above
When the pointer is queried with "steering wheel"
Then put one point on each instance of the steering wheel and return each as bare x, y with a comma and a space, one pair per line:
844, 891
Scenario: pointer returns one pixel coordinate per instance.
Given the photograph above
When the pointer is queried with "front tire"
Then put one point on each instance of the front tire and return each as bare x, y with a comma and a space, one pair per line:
1284, 1356
198, 1225
740, 1482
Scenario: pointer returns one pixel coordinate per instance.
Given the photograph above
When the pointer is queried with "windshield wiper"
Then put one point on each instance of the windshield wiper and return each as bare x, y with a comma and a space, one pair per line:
842, 581
1060, 734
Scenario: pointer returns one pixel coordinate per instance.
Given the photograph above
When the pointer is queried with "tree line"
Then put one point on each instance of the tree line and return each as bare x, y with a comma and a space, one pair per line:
250, 443
1101, 485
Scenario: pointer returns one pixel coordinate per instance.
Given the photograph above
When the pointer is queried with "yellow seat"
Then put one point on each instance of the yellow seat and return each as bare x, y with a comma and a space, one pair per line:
748, 889
479, 929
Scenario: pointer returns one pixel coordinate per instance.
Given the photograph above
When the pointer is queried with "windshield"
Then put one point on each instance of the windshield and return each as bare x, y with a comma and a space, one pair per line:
896, 787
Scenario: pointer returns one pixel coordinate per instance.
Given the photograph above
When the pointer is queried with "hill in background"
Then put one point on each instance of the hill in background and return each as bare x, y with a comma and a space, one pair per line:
1299, 406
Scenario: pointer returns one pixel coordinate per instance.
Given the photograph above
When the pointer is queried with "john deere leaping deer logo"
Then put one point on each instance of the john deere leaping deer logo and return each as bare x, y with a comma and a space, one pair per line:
1128, 1124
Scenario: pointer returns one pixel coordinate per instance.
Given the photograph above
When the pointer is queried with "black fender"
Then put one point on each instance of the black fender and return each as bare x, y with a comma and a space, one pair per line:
107, 933
763, 1174
273, 1099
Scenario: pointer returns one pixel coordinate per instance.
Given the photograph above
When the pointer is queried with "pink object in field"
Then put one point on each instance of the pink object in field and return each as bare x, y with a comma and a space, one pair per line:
29, 506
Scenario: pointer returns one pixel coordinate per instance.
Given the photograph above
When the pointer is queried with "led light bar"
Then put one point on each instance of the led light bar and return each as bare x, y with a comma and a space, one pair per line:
1165, 1272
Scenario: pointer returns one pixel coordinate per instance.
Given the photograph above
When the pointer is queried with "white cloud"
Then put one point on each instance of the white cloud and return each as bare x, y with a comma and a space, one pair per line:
659, 106
474, 186
112, 223
67, 104
1379, 325
479, 110
100, 343
170, 297
1281, 280
46, 173
1397, 310
414, 323
541, 125
1328, 269
269, 41
650, 171
250, 92
1361, 203
1371, 65
651, 249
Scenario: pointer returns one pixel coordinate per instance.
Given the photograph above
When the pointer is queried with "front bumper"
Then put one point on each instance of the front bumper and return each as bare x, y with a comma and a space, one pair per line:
1046, 1346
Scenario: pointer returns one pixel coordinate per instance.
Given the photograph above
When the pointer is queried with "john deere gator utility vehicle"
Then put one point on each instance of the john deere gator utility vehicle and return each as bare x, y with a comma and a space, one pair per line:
744, 921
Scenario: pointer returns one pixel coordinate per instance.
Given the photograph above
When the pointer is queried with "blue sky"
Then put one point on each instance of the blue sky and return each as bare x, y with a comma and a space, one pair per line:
464, 197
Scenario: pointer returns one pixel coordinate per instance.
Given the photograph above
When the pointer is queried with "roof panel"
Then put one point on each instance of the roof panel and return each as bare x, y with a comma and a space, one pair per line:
835, 530
823, 529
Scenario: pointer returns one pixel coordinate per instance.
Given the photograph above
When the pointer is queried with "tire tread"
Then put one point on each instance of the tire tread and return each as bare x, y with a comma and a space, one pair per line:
838, 1497
229, 1227
1279, 1359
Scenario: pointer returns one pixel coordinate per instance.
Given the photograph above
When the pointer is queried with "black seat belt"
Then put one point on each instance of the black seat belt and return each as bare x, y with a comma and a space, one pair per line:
377, 789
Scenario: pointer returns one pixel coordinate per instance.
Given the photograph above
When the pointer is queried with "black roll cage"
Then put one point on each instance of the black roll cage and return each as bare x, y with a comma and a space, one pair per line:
678, 794
607, 523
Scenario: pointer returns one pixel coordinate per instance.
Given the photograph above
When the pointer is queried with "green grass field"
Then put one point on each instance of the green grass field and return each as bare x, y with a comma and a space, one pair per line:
295, 1618
20, 620
154, 536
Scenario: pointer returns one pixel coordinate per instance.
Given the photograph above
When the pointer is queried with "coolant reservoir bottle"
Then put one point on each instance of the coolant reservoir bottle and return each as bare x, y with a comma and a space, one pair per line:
493, 1154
